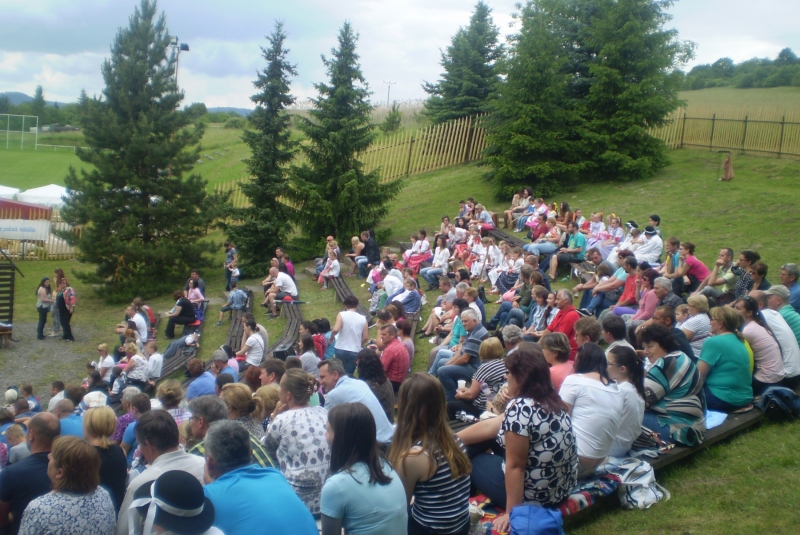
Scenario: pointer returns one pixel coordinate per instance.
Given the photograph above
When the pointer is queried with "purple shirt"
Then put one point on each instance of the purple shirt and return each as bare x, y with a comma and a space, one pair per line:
122, 424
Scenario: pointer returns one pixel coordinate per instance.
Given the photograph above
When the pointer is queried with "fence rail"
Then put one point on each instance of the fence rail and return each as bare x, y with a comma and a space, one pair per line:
53, 248
761, 131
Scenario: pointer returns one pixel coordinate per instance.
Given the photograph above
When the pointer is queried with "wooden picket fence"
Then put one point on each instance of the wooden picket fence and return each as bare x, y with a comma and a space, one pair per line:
54, 248
761, 131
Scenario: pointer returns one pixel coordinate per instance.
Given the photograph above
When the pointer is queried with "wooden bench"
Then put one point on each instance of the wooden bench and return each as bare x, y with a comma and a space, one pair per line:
514, 241
177, 362
580, 270
248, 303
343, 290
236, 330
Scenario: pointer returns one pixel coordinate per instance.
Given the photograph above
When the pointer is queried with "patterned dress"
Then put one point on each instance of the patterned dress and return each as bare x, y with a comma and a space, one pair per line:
66, 513
296, 439
551, 471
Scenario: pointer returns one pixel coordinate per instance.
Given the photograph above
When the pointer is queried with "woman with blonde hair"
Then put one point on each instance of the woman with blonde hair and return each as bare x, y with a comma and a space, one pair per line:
77, 504
136, 369
296, 438
243, 407
430, 459
170, 394
488, 379
697, 326
98, 426
269, 396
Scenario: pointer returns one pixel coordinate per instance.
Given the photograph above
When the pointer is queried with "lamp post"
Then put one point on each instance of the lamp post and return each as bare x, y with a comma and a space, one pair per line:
389, 90
178, 48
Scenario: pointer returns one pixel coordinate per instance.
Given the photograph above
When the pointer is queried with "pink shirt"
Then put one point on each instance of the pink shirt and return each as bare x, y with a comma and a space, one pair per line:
647, 306
696, 268
559, 372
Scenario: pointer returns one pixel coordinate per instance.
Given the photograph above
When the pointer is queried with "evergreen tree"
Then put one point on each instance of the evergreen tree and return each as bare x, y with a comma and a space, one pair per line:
633, 86
265, 224
143, 220
38, 105
5, 104
331, 192
393, 120
470, 75
535, 128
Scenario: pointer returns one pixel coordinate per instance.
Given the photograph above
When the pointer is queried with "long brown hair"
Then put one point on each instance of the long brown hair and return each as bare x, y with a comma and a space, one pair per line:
422, 417
532, 372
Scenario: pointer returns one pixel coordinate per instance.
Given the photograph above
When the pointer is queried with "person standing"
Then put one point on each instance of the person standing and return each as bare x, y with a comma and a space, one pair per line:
44, 301
353, 333
231, 256
65, 302
58, 274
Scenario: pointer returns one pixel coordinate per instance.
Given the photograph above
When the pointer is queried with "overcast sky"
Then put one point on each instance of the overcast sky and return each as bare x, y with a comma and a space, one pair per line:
60, 44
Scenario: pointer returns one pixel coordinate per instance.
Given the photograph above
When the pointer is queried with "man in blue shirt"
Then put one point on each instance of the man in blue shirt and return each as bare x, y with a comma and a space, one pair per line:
789, 276
203, 383
246, 497
339, 389
71, 424
575, 250
140, 404
236, 301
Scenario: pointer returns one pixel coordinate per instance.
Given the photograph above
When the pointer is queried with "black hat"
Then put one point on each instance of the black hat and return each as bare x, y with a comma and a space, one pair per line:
649, 230
175, 501
656, 218
631, 224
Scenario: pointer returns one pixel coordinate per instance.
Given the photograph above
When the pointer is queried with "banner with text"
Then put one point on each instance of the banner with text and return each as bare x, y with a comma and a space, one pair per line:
24, 229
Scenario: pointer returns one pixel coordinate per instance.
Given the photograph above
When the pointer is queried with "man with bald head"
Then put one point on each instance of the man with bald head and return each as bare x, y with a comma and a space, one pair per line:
790, 349
283, 286
71, 424
22, 482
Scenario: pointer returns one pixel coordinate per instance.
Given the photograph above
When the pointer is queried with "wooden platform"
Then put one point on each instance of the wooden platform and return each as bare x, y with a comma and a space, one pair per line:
513, 239
343, 290
178, 362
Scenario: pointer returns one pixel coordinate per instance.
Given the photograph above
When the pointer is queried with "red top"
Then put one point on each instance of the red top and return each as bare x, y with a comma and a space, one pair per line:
564, 322
395, 360
629, 293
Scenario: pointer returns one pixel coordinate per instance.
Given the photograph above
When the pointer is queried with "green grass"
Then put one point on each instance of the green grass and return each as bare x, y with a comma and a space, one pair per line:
26, 169
719, 97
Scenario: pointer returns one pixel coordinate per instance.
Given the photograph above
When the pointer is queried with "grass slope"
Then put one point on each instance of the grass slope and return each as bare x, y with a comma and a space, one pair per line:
724, 97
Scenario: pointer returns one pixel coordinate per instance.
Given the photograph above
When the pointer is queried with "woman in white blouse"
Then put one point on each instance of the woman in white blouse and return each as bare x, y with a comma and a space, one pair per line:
441, 257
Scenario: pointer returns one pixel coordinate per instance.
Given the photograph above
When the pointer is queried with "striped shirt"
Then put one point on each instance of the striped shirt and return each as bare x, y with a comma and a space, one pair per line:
441, 504
258, 454
492, 374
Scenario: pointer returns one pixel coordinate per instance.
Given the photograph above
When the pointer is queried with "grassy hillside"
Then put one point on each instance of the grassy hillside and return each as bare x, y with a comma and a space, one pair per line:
719, 97
25, 169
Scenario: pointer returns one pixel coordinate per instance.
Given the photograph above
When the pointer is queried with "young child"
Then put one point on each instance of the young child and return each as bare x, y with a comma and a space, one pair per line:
233, 267
681, 314
331, 270
18, 448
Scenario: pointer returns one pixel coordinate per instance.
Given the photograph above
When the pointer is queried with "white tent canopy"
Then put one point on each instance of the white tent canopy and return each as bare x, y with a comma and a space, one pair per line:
7, 193
50, 195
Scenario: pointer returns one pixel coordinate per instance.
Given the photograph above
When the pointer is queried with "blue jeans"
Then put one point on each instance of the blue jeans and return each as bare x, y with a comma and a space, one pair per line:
713, 403
449, 376
431, 275
541, 248
442, 356
516, 317
361, 262
488, 477
348, 359
650, 421
501, 316
521, 222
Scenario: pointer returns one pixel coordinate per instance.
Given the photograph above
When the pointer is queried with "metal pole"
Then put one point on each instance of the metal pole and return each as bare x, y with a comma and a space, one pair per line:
711, 141
389, 90
780, 143
410, 149
22, 133
8, 128
683, 128
744, 134
36, 136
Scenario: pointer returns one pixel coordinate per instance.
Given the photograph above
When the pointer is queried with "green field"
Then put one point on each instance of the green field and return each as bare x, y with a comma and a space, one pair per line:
719, 97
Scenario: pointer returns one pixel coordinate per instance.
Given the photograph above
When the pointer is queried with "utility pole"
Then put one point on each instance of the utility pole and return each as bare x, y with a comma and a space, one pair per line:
389, 90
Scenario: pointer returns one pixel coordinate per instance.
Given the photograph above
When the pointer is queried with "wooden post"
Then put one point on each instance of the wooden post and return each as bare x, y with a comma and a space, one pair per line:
410, 150
780, 142
470, 135
683, 128
711, 140
744, 133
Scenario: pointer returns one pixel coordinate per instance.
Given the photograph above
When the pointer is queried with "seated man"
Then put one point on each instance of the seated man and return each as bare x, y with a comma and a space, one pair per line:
449, 367
720, 284
587, 330
606, 293
283, 287
200, 284
779, 299
574, 251
26, 391
203, 383
236, 301
651, 249
790, 349
789, 278
135, 321
340, 388
522, 300
614, 332
435, 317
628, 296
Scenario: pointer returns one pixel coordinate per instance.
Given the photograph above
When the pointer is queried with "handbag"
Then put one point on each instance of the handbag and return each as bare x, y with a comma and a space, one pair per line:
534, 520
509, 295
638, 487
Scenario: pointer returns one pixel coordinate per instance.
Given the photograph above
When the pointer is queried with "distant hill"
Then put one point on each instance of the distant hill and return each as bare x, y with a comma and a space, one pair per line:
244, 112
16, 98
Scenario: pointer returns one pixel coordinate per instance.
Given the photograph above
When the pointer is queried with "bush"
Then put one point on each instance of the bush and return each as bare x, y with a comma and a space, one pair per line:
235, 123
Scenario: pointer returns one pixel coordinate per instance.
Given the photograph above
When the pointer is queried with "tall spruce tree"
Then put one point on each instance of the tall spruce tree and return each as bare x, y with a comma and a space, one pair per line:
470, 65
632, 85
331, 191
143, 220
266, 223
535, 129
38, 105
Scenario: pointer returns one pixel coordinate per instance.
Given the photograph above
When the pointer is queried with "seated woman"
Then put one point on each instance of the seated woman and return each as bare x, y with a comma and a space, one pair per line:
691, 271
675, 407
509, 277
430, 460
494, 260
181, 314
136, 368
422, 253
697, 326
596, 226
549, 243
556, 350
441, 259
615, 235
410, 298
194, 295
363, 494
646, 299
535, 437
243, 408
724, 363
541, 318
565, 215
486, 382
331, 270
627, 369
594, 402
482, 218
501, 264
371, 371
296, 438
443, 228
768, 360
519, 204
354, 255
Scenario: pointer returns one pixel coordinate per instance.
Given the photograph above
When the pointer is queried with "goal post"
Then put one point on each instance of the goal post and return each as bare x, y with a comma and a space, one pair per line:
19, 131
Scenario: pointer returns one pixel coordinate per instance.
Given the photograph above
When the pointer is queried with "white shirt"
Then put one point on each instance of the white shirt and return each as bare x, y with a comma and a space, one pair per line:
255, 354
141, 327
176, 460
441, 258
349, 338
787, 340
53, 400
474, 306
596, 414
392, 285
155, 363
107, 362
617, 343
630, 424
650, 250
284, 283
